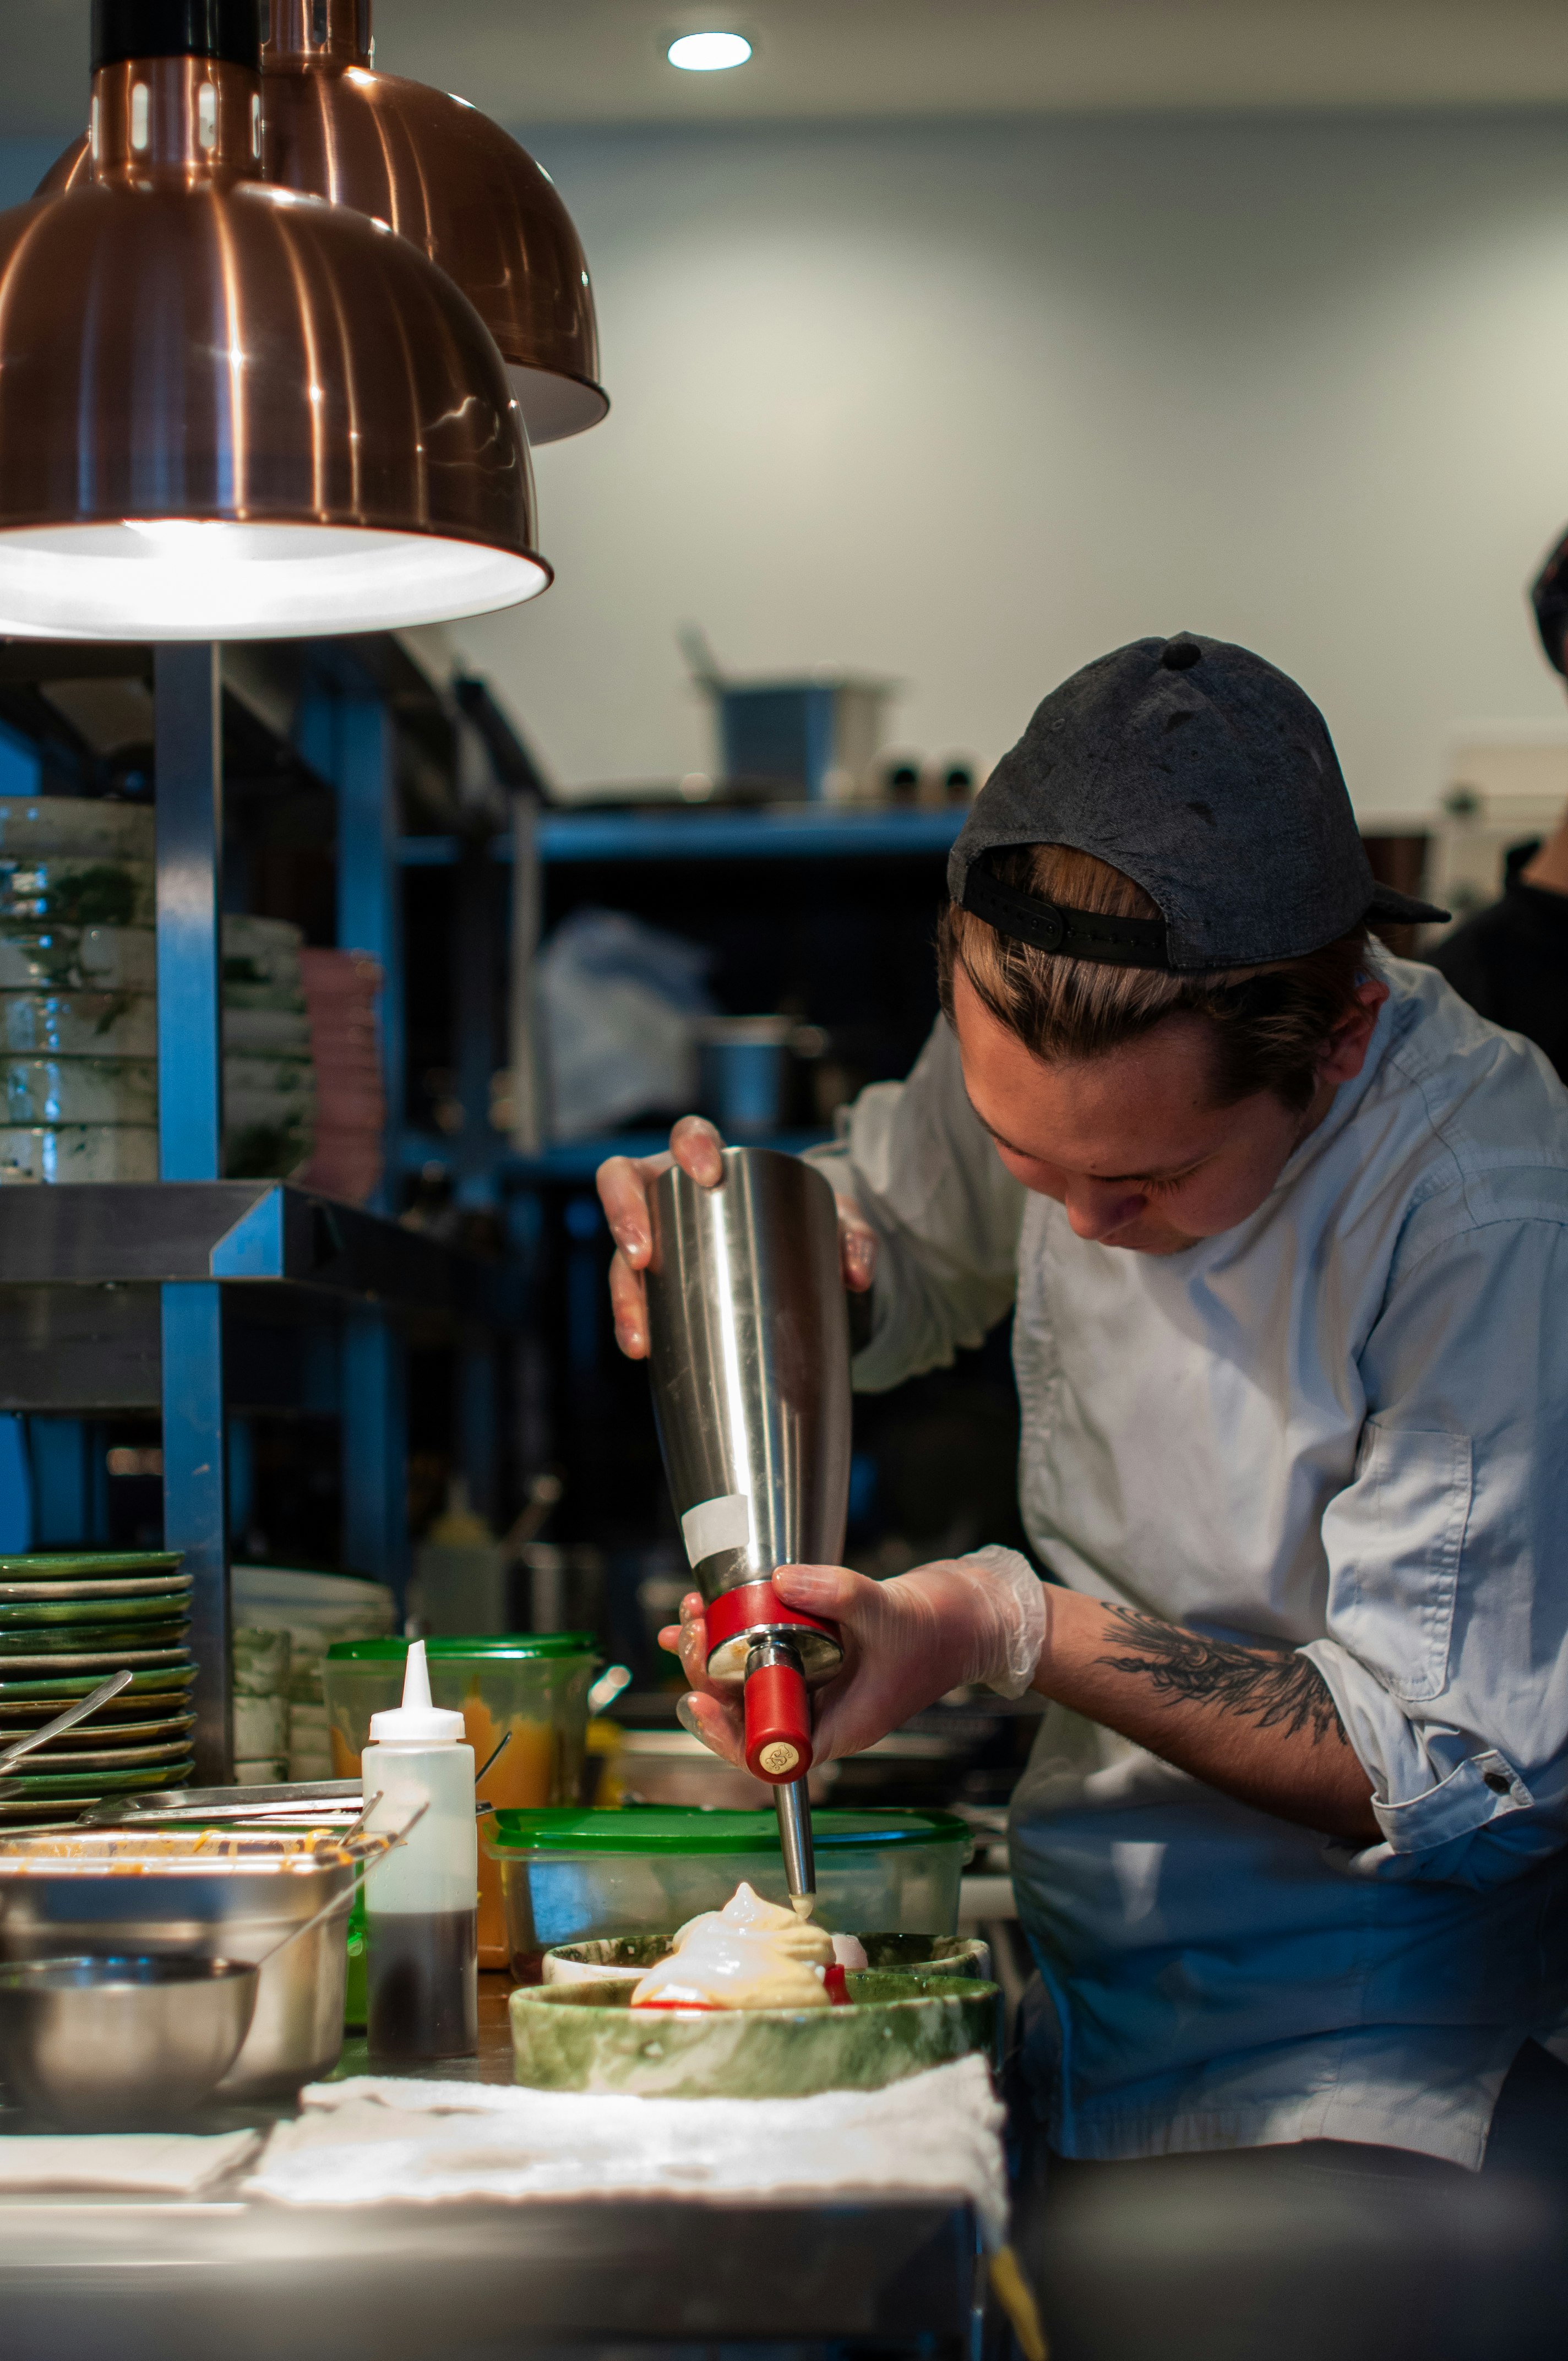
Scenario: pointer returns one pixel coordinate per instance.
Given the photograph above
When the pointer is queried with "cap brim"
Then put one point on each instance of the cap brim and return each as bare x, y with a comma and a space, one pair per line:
1404, 909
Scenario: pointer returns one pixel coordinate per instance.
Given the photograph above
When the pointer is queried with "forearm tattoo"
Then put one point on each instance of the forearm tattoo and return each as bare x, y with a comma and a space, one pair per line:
1269, 1683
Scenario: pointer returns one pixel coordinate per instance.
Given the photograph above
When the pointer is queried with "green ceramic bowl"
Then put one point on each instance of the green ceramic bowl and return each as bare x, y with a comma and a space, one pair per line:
626, 1959
589, 2037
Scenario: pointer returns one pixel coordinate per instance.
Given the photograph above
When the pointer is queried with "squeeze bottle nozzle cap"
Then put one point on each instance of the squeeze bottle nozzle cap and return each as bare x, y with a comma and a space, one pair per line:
416, 1722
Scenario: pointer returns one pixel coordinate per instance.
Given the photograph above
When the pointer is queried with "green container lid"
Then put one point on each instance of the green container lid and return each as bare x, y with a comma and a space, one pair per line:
520, 1644
695, 1828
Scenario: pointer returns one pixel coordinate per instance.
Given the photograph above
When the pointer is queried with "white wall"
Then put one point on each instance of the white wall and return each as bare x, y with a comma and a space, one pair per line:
970, 403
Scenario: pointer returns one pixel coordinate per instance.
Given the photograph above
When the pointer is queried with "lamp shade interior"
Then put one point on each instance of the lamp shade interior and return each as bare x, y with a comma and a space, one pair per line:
191, 578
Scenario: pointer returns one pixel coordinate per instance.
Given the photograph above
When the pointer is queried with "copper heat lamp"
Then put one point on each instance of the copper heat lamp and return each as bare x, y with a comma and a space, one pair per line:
228, 410
444, 176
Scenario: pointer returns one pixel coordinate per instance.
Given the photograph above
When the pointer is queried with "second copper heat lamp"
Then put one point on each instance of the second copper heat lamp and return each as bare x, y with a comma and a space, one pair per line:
444, 176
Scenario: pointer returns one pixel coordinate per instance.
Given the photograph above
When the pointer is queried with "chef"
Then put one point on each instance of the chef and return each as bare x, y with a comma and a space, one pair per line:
1284, 1228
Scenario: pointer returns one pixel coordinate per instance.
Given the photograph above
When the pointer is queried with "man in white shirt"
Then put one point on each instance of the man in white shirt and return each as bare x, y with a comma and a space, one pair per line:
1285, 1231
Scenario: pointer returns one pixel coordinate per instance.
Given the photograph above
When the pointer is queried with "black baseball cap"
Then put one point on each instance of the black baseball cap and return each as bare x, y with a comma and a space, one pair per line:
1208, 777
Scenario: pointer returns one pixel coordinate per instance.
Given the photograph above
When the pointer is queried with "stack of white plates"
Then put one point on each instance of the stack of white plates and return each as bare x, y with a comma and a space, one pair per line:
78, 1034
78, 1011
315, 1610
269, 1092
261, 1663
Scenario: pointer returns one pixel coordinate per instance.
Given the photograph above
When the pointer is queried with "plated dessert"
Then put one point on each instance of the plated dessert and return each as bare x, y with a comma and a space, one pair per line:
752, 2000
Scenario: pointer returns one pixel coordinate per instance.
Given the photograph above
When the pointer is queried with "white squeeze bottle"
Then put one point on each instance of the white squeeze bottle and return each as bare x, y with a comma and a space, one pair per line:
421, 1900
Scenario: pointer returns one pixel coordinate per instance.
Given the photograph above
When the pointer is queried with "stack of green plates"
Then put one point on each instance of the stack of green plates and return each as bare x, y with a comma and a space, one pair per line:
66, 1622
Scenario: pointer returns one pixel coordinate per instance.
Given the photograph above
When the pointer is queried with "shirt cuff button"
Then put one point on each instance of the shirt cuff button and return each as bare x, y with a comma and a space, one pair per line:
1499, 1782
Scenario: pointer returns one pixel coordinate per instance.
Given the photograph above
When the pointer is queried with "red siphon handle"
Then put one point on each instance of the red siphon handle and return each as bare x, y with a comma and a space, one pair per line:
778, 1724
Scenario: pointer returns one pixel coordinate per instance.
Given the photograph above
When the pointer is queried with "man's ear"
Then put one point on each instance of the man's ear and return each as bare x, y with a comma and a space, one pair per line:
1348, 1043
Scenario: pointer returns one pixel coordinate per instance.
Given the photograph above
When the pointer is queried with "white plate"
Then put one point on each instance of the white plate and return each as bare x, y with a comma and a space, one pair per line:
266, 1033
78, 888
80, 1151
261, 950
79, 824
56, 1090
76, 959
79, 1024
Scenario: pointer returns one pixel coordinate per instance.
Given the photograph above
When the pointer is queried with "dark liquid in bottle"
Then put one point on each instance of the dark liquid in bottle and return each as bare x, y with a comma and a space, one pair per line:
422, 1971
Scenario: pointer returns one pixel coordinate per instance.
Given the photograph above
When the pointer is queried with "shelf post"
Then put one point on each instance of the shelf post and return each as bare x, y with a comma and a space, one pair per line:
188, 834
351, 741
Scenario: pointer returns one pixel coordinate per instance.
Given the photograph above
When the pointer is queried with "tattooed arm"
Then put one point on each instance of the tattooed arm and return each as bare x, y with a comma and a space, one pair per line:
1258, 1722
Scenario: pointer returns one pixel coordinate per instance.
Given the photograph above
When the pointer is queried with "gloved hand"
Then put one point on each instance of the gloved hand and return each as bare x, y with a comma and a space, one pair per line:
906, 1642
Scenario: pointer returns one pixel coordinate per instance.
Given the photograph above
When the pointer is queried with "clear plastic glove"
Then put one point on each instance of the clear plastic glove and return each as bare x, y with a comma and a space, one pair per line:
624, 1183
906, 1642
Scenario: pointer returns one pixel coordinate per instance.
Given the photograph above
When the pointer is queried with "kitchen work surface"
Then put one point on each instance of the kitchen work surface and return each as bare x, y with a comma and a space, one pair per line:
158, 2279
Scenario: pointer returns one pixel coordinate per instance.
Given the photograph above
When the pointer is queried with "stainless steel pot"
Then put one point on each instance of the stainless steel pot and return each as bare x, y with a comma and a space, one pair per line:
103, 1892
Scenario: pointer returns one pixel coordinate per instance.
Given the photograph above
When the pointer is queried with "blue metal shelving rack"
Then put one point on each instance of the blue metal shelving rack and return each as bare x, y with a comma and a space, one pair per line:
117, 1296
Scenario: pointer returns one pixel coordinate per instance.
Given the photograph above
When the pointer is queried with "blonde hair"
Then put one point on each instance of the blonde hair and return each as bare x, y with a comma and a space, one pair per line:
1270, 1026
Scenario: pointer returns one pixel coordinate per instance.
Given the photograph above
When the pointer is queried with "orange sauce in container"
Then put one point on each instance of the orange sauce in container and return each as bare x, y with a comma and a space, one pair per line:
522, 1774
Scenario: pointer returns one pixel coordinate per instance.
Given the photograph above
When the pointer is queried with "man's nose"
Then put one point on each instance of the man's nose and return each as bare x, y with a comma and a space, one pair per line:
1095, 1208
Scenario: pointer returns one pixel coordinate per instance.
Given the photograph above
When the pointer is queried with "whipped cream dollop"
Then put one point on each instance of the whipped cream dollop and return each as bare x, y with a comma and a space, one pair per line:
750, 1954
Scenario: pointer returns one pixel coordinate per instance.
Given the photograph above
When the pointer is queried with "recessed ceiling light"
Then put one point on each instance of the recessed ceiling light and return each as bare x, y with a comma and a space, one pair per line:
708, 52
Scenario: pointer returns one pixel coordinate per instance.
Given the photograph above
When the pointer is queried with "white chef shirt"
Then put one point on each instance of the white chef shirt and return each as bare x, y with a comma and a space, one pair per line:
1343, 1424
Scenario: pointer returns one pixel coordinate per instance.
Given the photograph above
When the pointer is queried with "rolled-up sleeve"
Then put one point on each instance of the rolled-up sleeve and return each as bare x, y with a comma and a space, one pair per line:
927, 1178
1447, 1646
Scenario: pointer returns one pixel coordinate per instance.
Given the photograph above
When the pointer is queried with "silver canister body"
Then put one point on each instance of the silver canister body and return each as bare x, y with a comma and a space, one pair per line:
748, 1351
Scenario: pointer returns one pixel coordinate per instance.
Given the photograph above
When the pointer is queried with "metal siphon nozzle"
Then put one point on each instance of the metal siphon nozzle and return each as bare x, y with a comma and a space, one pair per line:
794, 1807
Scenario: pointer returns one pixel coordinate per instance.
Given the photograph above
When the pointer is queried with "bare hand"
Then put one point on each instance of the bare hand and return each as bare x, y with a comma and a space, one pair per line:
623, 1185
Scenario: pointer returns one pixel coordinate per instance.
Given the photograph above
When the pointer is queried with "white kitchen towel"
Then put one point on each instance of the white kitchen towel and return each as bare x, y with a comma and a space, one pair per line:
156, 2164
374, 2140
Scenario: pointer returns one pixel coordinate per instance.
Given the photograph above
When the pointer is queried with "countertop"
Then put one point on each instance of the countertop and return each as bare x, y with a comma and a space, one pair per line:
221, 2279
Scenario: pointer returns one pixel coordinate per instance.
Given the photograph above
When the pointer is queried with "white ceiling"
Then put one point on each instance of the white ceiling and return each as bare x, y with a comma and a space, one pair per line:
602, 61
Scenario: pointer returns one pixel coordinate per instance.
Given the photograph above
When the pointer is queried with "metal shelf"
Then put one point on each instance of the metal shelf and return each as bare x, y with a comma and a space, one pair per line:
244, 1234
776, 832
131, 1296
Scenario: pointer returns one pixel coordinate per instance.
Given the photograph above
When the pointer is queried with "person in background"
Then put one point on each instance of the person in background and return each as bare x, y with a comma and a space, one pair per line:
1510, 960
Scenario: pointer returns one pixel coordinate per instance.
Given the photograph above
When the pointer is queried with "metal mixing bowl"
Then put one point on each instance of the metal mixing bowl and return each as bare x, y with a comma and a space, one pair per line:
110, 2041
103, 1892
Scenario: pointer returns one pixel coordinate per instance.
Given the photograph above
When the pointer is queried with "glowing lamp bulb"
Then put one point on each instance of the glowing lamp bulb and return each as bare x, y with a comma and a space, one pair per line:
708, 52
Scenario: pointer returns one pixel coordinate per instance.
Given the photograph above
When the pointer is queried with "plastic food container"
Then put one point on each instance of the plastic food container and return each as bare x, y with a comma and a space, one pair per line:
573, 1876
531, 1689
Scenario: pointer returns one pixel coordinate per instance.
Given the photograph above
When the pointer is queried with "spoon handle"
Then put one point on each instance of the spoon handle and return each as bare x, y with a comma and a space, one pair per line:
68, 1718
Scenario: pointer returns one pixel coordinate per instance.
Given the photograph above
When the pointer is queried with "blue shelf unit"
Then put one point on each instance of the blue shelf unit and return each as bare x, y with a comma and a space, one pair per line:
789, 832
212, 1306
